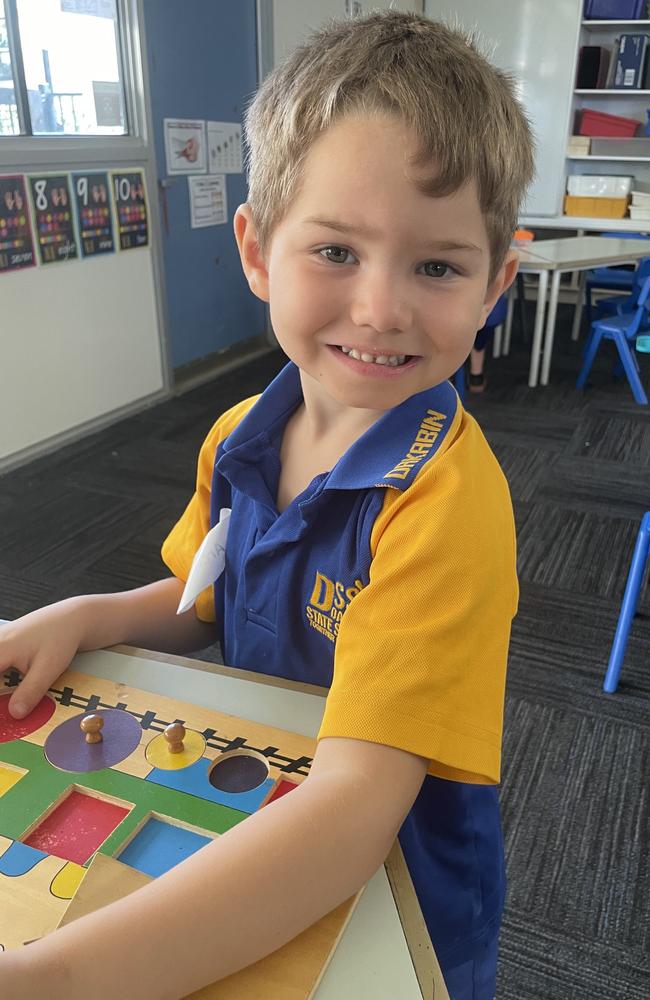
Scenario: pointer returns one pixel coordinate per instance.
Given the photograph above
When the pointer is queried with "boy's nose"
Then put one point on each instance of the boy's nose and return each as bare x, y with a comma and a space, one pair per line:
380, 302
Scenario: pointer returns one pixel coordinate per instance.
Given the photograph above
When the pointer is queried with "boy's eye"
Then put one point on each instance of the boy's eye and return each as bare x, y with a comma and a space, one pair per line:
433, 269
337, 255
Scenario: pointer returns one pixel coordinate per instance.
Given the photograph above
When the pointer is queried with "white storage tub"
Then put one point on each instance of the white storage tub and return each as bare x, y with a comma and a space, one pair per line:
640, 213
599, 186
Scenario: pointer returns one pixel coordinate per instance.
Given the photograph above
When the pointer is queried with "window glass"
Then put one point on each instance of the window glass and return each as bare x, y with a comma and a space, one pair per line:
72, 66
9, 124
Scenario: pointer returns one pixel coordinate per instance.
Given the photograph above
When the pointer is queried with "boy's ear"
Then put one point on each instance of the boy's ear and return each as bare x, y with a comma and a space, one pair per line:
252, 259
500, 283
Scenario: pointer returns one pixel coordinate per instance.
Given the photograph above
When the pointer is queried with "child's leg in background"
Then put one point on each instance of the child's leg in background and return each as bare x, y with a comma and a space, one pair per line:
476, 979
477, 357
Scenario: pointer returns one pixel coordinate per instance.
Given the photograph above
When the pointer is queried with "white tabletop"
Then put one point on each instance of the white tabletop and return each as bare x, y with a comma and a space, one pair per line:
580, 252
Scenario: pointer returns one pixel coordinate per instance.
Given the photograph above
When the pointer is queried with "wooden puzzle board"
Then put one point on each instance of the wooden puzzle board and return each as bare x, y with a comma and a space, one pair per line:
147, 806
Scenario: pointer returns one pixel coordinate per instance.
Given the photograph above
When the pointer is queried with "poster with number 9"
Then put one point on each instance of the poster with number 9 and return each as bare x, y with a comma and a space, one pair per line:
54, 217
92, 194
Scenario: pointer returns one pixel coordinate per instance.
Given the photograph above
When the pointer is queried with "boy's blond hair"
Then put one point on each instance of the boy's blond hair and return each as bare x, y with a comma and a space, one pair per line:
461, 109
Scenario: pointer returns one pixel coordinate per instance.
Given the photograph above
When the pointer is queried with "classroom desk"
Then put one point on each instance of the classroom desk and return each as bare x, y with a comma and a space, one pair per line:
375, 957
555, 257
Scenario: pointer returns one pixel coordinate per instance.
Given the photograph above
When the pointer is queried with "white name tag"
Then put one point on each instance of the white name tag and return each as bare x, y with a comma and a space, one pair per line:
208, 563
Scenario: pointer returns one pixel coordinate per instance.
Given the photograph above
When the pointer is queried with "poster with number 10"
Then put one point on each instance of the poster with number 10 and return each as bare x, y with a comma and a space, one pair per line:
53, 217
92, 195
131, 206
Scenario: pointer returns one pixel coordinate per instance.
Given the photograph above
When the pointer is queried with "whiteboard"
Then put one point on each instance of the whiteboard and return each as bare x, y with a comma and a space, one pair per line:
78, 340
293, 20
537, 41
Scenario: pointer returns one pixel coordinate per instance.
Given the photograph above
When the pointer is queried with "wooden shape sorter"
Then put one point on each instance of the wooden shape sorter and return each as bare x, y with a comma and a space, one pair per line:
136, 801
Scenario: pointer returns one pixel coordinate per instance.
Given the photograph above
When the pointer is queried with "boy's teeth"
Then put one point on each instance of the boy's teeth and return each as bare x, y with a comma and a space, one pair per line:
392, 360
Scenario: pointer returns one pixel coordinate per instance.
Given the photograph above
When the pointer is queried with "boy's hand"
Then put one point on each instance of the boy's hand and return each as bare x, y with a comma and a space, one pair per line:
40, 646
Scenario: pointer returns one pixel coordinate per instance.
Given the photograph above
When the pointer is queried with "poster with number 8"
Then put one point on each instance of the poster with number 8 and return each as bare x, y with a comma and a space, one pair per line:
131, 207
54, 218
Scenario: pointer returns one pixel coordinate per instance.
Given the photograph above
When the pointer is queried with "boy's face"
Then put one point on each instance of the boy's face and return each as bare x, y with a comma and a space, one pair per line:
364, 266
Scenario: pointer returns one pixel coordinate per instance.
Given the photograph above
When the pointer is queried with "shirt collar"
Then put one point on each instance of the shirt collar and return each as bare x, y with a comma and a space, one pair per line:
390, 453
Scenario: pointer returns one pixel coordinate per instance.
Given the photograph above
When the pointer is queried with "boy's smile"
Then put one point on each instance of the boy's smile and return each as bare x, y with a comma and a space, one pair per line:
376, 289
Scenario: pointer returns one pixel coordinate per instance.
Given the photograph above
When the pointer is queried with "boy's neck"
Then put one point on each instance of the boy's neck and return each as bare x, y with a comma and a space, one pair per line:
324, 419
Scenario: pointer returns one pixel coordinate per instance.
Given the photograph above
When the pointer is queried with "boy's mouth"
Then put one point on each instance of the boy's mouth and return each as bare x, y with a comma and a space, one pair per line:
389, 360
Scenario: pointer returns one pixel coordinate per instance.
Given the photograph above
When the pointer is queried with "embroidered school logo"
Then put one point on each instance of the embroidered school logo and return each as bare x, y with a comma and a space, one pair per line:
327, 604
425, 439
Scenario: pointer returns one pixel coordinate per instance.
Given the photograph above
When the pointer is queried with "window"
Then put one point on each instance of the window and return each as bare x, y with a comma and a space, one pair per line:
67, 76
9, 124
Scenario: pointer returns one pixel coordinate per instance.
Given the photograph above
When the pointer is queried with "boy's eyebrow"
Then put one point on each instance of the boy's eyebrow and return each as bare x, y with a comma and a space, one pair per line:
346, 228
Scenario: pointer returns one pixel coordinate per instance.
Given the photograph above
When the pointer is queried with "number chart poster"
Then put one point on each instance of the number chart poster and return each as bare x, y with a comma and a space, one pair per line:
54, 217
131, 205
92, 194
16, 242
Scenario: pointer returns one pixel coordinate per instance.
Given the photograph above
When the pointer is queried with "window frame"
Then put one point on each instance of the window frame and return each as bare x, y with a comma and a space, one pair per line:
53, 151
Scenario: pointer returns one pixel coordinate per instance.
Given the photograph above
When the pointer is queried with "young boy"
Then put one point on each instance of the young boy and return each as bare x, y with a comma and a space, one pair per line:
371, 542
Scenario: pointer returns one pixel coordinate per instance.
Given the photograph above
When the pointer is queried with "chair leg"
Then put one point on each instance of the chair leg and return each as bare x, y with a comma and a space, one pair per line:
628, 606
521, 301
630, 365
588, 304
595, 338
496, 343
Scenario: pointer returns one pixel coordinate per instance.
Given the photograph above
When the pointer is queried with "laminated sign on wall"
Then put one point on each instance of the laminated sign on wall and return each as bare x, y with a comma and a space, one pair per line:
225, 148
16, 243
54, 218
131, 205
208, 204
92, 193
185, 146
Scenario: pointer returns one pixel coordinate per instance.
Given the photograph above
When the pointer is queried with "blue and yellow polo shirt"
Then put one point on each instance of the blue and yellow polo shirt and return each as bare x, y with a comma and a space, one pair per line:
391, 580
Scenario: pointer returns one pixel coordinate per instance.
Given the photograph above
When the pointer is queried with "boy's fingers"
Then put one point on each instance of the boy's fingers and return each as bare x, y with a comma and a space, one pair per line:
28, 693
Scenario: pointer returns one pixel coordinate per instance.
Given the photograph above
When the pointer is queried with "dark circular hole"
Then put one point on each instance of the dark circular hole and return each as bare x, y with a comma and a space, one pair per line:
240, 772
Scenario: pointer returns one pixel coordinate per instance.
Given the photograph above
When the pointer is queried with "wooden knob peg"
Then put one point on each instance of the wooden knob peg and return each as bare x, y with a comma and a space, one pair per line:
92, 726
175, 734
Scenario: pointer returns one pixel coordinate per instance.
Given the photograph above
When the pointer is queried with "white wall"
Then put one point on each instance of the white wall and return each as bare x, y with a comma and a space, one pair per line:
78, 340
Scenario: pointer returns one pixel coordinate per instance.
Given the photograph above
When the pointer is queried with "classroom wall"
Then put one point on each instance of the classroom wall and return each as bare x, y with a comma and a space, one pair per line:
202, 59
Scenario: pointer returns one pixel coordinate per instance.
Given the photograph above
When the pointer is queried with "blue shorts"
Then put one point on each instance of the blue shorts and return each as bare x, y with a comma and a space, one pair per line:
476, 979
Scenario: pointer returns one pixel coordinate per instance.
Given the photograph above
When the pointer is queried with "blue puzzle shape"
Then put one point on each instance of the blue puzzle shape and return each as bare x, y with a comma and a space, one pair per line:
19, 859
159, 846
194, 780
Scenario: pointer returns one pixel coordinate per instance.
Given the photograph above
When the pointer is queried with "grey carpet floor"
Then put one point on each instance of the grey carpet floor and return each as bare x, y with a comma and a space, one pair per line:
91, 517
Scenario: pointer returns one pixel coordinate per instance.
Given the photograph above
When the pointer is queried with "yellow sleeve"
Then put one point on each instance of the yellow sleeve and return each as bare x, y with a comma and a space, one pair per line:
184, 539
421, 654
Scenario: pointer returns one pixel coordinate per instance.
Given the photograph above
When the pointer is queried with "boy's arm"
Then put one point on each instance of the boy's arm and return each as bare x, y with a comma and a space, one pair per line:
239, 898
41, 644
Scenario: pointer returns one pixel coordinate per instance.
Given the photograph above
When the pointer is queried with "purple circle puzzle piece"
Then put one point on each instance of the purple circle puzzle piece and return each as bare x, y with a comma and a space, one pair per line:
66, 746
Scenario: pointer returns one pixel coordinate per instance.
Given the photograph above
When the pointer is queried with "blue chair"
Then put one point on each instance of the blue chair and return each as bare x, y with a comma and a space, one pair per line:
616, 279
622, 330
628, 607
619, 304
